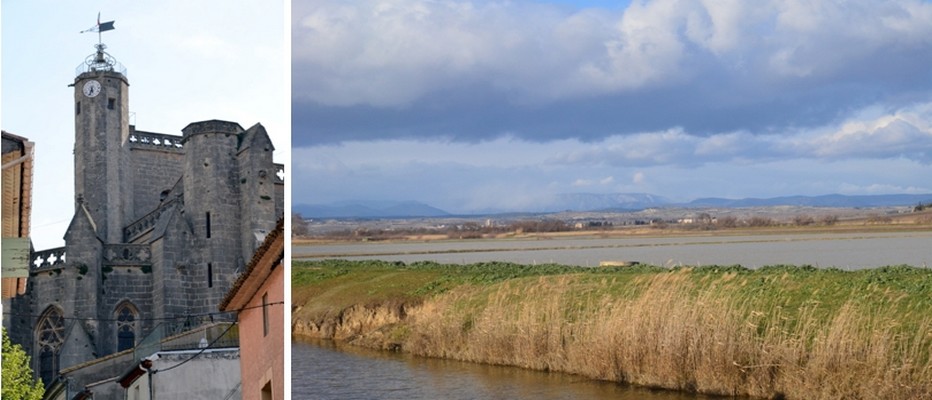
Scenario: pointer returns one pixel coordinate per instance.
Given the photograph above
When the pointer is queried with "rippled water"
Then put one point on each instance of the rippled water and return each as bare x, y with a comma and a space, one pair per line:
842, 250
323, 371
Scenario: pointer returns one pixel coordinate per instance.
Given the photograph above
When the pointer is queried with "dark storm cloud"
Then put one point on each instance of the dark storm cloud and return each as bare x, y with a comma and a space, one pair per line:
482, 116
474, 71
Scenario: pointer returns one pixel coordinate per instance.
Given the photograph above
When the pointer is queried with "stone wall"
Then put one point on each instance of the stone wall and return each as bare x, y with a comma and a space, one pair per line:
132, 284
257, 201
155, 162
169, 266
212, 207
101, 126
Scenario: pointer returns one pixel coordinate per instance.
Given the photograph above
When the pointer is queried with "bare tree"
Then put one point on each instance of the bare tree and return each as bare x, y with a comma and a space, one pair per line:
829, 219
728, 222
803, 220
298, 225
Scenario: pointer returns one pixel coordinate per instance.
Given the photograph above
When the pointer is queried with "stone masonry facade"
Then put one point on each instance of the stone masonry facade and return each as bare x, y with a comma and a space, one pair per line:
163, 226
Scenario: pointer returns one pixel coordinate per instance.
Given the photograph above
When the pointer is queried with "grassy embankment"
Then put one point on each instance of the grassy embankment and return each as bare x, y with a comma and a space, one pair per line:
778, 332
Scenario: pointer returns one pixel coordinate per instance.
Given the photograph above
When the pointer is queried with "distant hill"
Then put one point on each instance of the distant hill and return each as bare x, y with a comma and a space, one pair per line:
830, 200
369, 209
603, 202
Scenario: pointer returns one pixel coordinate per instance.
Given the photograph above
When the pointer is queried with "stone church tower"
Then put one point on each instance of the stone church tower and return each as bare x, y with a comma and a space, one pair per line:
163, 226
101, 130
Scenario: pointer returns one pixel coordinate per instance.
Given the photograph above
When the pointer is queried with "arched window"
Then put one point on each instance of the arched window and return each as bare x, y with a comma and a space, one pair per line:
50, 334
126, 326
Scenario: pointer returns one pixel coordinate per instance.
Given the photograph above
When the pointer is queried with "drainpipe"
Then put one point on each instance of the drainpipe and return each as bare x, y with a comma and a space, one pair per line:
147, 364
151, 392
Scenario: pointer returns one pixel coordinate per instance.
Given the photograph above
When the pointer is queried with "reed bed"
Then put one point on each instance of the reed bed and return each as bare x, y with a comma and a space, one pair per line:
783, 332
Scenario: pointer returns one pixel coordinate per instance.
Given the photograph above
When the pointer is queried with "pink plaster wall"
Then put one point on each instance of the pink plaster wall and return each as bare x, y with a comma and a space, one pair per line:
262, 357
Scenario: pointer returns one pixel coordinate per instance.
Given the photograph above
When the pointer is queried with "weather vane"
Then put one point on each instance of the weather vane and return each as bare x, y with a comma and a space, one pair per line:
101, 61
100, 28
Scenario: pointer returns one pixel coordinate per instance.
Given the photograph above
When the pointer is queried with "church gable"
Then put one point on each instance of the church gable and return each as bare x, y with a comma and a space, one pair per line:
82, 226
78, 346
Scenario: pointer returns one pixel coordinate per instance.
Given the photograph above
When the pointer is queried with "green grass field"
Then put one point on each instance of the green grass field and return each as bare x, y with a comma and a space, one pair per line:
774, 332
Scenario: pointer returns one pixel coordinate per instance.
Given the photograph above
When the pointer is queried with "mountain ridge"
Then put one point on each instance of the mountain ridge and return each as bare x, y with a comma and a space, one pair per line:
602, 202
369, 209
828, 200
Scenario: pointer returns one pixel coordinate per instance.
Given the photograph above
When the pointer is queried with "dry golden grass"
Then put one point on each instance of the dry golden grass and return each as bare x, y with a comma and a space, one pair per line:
778, 332
674, 331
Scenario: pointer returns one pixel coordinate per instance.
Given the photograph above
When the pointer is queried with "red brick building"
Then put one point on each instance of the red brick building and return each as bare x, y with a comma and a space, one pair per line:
17, 205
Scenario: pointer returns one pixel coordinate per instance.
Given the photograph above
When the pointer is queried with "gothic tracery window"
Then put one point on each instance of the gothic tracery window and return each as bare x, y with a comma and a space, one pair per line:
50, 334
126, 326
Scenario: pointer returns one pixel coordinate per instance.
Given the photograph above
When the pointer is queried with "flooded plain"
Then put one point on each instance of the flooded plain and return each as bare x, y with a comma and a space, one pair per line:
841, 250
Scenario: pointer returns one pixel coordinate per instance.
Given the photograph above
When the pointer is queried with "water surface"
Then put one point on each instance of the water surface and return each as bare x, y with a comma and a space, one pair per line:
841, 250
321, 370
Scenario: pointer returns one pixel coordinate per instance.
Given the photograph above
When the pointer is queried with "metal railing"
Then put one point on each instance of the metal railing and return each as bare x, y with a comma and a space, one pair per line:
100, 61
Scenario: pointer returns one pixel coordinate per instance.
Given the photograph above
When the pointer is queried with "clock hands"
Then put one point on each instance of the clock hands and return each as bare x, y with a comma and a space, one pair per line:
92, 88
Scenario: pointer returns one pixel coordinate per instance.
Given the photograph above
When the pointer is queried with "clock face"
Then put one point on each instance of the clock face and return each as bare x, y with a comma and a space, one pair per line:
91, 88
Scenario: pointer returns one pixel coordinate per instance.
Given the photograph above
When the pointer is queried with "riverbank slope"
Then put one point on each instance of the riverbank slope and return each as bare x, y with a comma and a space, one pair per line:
778, 332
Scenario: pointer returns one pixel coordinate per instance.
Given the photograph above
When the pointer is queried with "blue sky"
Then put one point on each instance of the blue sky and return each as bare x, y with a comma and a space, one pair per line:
476, 105
186, 61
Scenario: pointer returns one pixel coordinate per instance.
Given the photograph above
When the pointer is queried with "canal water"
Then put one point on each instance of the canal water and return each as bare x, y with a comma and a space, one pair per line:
324, 371
841, 250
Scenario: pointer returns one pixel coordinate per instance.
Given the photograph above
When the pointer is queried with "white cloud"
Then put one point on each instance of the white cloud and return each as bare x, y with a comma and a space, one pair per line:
389, 53
582, 182
870, 135
904, 133
680, 97
881, 188
638, 178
